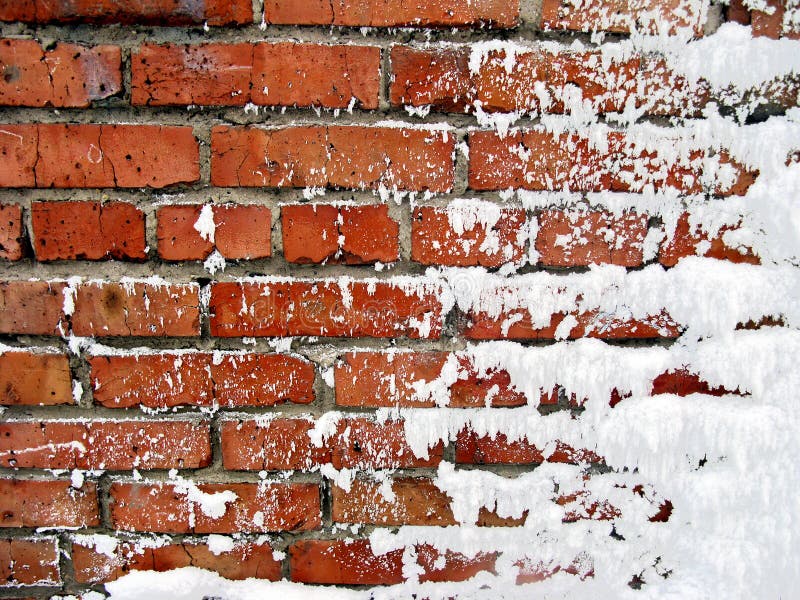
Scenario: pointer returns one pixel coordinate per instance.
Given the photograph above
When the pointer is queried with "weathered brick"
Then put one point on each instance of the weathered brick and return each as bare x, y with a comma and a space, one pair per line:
152, 380
387, 379
31, 307
416, 502
362, 443
517, 324
393, 13
541, 81
472, 448
240, 232
353, 235
108, 445
97, 156
43, 503
87, 230
69, 75
344, 562
258, 507
468, 236
201, 379
136, 309
33, 379
691, 240
683, 382
11, 232
245, 560
771, 24
574, 239
537, 160
624, 16
276, 444
29, 562
452, 566
152, 12
324, 308
350, 157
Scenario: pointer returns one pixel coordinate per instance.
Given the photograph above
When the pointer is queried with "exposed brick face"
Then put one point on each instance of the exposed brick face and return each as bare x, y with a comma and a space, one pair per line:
43, 503
11, 232
88, 230
67, 76
34, 379
29, 562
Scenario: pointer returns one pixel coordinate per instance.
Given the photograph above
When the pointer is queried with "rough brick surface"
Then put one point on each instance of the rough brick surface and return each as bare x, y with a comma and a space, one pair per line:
107, 445
324, 309
624, 16
245, 560
194, 378
87, 230
97, 156
540, 81
138, 309
343, 562
257, 507
566, 239
392, 13
42, 503
34, 379
691, 240
349, 234
335, 156
155, 12
69, 75
476, 449
11, 232
31, 307
540, 161
416, 502
29, 562
450, 237
283, 74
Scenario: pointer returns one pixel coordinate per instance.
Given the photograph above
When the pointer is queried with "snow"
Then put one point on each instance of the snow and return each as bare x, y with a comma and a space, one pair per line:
205, 225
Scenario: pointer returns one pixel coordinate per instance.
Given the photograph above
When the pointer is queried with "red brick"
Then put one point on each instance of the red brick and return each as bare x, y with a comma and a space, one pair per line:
33, 379
281, 74
324, 308
243, 232
29, 562
262, 380
517, 324
416, 502
472, 448
86, 156
18, 155
259, 507
66, 76
344, 562
362, 443
152, 380
153, 12
11, 232
442, 79
687, 241
737, 12
276, 444
244, 561
240, 232
31, 307
452, 566
107, 445
393, 13
351, 157
435, 239
532, 570
137, 309
683, 382
771, 25
573, 239
200, 379
42, 503
623, 16
352, 235
384, 379
87, 230
541, 161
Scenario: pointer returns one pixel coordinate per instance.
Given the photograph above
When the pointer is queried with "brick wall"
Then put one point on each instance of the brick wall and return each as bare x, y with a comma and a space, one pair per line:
216, 224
